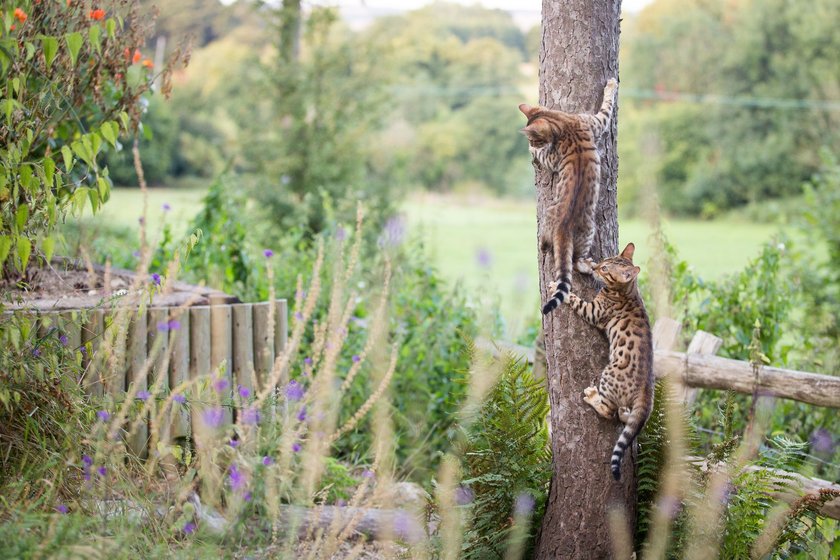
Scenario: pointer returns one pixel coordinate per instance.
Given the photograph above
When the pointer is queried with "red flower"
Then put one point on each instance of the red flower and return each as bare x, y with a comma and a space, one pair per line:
147, 63
137, 56
20, 15
97, 14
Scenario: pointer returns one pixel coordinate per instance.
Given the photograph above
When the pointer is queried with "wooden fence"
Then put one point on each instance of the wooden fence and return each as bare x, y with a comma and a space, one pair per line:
194, 341
698, 368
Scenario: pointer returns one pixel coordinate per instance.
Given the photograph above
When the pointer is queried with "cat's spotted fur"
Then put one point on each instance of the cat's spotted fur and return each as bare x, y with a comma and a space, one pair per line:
626, 384
564, 143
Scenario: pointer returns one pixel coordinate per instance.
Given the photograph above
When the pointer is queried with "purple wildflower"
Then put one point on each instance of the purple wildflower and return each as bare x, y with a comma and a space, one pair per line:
62, 338
36, 352
296, 447
341, 502
244, 392
246, 496
179, 398
294, 391
821, 441
234, 443
174, 324
163, 326
340, 233
406, 527
267, 461
212, 417
86, 459
394, 232
251, 416
102, 471
83, 350
268, 253
298, 315
61, 508
103, 415
166, 207
143, 395
356, 358
189, 528
484, 258
156, 279
367, 473
307, 360
524, 504
220, 385
464, 495
235, 478
301, 415
135, 254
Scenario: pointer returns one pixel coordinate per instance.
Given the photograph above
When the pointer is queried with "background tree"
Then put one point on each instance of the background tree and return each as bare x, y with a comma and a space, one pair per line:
579, 54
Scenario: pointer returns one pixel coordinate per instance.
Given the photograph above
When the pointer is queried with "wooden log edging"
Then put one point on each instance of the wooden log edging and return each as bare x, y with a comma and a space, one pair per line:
712, 372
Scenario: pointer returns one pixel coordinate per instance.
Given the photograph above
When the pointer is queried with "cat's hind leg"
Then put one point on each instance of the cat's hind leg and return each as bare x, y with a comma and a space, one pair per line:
593, 398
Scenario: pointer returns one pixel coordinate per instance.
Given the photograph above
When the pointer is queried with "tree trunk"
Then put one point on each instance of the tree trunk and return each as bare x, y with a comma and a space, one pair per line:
579, 53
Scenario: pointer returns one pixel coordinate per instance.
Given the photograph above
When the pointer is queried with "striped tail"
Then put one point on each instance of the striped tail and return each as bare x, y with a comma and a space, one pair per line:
563, 248
634, 425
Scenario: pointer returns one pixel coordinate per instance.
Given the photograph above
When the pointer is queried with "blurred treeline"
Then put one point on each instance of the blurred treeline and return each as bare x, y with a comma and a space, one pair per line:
723, 103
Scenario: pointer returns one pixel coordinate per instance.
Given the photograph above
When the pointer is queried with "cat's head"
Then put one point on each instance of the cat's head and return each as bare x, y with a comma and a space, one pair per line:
538, 131
618, 271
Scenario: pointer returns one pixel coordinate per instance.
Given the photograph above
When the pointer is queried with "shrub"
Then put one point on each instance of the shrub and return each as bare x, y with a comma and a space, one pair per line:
72, 81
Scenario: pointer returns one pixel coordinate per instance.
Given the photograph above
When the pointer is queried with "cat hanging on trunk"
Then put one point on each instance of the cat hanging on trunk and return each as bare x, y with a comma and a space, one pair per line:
565, 144
626, 384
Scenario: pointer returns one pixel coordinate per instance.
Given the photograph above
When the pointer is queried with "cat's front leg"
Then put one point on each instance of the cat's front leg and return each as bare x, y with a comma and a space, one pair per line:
585, 309
585, 265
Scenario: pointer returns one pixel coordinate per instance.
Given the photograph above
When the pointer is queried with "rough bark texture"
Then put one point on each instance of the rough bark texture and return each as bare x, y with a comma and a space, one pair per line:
579, 53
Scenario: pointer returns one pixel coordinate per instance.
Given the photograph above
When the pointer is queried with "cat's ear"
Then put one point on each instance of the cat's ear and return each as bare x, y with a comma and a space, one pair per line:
628, 251
538, 132
527, 110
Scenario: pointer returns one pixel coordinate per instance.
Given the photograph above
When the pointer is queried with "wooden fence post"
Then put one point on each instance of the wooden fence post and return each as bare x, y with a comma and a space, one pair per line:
91, 337
179, 369
136, 362
702, 343
221, 347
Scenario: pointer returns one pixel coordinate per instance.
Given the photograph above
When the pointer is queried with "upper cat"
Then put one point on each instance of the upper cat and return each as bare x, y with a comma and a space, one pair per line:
565, 144
626, 384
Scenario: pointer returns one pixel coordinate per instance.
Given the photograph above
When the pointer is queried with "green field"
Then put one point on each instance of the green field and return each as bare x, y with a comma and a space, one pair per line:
489, 245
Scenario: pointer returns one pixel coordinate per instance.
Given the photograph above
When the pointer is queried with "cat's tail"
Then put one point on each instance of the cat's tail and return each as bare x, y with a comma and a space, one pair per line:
563, 249
635, 423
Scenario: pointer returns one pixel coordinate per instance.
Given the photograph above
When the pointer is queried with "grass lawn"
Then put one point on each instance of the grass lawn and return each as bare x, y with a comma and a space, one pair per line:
490, 245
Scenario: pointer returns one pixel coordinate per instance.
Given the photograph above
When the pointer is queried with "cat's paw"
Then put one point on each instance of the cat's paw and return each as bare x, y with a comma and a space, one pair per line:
624, 414
585, 265
590, 394
612, 85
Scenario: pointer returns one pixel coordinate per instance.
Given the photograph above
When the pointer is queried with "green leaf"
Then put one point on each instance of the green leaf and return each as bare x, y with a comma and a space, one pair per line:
110, 27
24, 249
48, 245
5, 246
93, 35
110, 130
104, 187
134, 76
50, 46
67, 154
21, 217
93, 195
79, 199
74, 44
49, 171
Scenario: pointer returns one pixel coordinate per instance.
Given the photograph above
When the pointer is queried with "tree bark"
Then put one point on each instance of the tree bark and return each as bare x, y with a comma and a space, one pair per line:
579, 53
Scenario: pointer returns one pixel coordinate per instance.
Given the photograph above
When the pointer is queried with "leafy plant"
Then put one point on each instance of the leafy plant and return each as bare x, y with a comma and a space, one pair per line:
72, 82
507, 461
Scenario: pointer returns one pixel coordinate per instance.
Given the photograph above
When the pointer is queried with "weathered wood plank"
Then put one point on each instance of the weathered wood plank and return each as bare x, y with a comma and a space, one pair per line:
243, 345
221, 347
91, 337
135, 361
179, 368
711, 372
263, 342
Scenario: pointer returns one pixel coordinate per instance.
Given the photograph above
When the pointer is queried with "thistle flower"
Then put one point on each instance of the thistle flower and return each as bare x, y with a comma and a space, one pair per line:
367, 473
61, 508
156, 279
179, 398
235, 478
62, 338
189, 528
244, 392
221, 384
294, 391
251, 416
356, 358
234, 443
267, 461
268, 253
166, 207
296, 447
102, 471
103, 415
212, 417
143, 395
301, 415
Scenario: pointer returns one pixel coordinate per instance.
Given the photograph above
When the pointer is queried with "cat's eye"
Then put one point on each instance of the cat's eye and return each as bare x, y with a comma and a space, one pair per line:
604, 267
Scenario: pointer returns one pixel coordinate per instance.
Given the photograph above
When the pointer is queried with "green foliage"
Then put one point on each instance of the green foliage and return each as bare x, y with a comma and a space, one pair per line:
506, 454
768, 74
63, 107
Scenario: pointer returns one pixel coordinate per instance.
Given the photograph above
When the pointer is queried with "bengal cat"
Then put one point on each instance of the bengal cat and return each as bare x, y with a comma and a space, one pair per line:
626, 384
564, 143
